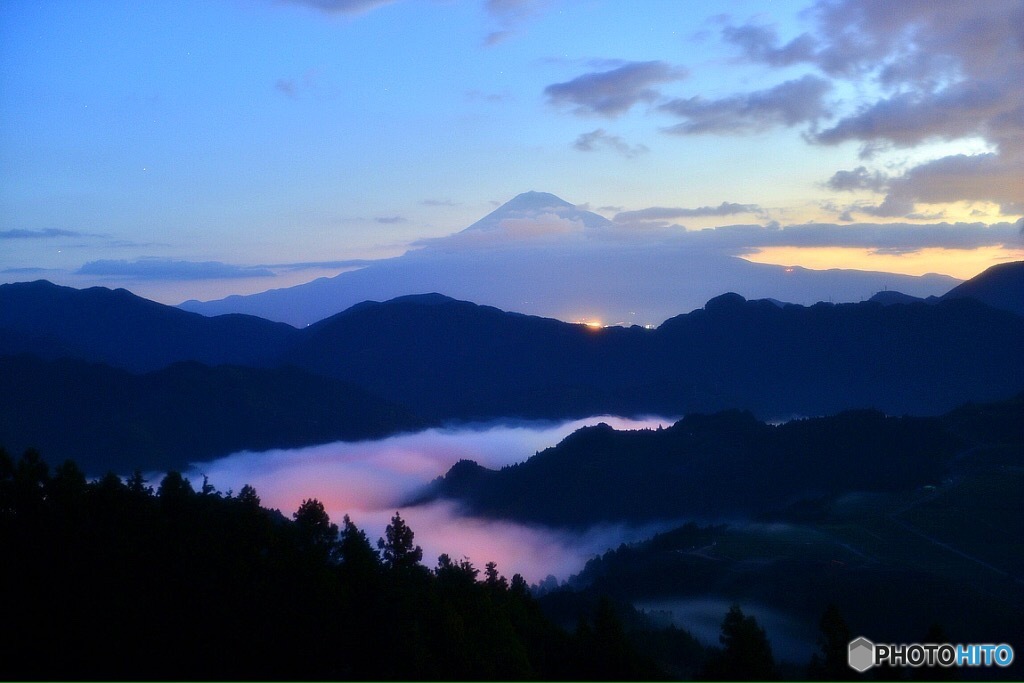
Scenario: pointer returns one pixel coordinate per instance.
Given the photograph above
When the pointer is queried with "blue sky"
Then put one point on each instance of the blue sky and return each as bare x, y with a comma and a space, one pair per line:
195, 149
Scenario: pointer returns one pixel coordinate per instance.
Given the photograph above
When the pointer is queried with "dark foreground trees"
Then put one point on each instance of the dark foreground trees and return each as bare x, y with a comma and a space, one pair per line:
746, 654
112, 580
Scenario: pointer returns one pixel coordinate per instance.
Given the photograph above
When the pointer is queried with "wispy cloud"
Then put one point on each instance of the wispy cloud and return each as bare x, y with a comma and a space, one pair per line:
760, 43
31, 270
170, 269
511, 15
45, 233
287, 87
391, 220
342, 6
614, 92
888, 237
318, 265
858, 179
662, 213
600, 138
788, 104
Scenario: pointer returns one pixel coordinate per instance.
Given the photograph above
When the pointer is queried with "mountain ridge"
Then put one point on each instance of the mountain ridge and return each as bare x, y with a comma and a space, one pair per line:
726, 464
444, 360
123, 330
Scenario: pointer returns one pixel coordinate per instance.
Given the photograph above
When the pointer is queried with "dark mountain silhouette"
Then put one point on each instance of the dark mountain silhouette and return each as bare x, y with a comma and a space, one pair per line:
443, 359
726, 465
110, 420
123, 330
451, 359
454, 359
889, 297
825, 358
1000, 286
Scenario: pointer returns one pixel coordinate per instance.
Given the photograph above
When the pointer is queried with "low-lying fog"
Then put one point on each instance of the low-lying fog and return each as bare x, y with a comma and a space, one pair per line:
367, 479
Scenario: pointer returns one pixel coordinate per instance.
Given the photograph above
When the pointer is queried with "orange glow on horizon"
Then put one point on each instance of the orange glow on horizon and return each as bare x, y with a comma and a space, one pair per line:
959, 263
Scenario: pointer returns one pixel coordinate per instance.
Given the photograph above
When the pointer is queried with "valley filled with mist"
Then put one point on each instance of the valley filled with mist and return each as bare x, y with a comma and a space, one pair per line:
766, 461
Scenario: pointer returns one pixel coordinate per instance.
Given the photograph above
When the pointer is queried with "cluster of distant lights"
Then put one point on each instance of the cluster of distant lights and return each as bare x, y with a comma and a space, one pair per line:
594, 324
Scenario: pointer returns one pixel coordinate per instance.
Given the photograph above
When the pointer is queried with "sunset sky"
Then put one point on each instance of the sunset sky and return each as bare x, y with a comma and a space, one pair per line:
196, 148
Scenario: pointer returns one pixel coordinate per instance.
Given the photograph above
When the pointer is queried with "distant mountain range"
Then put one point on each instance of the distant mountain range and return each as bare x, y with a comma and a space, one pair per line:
541, 255
375, 368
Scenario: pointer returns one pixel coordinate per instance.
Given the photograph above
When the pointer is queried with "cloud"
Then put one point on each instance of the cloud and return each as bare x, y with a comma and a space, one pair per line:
660, 213
759, 43
858, 179
979, 177
318, 265
350, 7
391, 220
30, 270
599, 138
439, 202
169, 269
886, 237
614, 92
45, 233
787, 104
294, 87
510, 14
908, 119
287, 86
925, 71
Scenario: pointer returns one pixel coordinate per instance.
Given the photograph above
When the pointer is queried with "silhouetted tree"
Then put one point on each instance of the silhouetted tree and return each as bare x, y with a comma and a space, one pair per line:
247, 496
831, 664
315, 526
6, 483
174, 490
31, 475
398, 551
67, 486
494, 580
746, 654
358, 557
137, 484
519, 587
461, 574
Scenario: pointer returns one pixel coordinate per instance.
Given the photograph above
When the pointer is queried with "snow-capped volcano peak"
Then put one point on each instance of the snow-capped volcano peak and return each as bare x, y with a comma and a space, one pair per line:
534, 205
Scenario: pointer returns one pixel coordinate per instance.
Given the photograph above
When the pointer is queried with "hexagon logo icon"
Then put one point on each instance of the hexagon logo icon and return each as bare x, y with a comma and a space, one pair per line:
861, 656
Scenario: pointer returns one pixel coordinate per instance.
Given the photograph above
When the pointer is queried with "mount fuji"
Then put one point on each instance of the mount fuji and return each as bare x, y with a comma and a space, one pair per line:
542, 255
